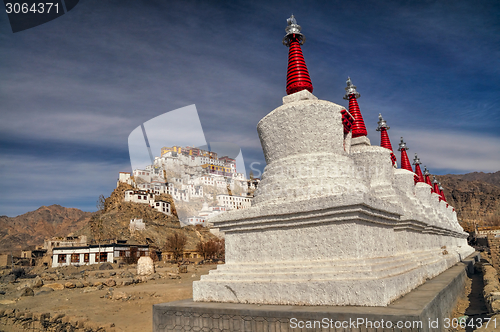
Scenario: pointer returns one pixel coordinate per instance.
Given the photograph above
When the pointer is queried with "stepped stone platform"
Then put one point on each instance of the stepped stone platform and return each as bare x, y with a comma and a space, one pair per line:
423, 309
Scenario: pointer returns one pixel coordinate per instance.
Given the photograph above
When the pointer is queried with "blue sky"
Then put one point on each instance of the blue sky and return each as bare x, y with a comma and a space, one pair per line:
73, 89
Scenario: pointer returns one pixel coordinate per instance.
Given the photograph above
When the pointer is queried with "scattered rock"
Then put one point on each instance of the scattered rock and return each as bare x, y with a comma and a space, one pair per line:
28, 291
54, 286
79, 284
106, 266
128, 281
2, 292
183, 269
112, 273
127, 274
9, 278
145, 266
110, 282
119, 295
37, 282
69, 285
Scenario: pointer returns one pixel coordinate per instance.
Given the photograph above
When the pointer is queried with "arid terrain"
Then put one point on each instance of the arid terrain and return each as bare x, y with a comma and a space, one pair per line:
114, 300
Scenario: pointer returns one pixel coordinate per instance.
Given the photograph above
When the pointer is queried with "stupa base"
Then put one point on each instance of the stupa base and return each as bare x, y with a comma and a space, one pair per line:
423, 309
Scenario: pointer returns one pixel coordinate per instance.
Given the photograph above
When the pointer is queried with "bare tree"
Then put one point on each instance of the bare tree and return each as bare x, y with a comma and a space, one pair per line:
96, 225
212, 248
176, 243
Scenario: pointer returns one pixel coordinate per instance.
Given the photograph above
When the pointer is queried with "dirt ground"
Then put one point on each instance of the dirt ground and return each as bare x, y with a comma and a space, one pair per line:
132, 312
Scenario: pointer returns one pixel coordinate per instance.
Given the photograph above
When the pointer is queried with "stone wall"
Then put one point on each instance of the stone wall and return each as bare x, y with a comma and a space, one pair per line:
22, 321
494, 245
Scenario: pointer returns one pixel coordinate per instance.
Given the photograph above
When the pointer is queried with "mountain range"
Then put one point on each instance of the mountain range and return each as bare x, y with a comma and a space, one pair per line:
475, 196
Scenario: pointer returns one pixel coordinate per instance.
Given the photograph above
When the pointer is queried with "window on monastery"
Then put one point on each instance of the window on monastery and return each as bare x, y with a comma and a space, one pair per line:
75, 258
86, 258
61, 258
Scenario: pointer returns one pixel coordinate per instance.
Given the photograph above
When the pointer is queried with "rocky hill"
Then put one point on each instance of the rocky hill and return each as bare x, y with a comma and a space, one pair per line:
113, 223
33, 227
475, 196
491, 178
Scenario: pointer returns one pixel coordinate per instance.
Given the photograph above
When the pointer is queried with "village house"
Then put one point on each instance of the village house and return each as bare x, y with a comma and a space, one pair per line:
94, 254
189, 254
67, 241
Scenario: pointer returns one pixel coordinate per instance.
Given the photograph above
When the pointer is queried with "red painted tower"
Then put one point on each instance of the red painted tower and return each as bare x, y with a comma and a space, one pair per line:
419, 177
358, 128
297, 77
427, 177
435, 187
385, 142
405, 162
441, 192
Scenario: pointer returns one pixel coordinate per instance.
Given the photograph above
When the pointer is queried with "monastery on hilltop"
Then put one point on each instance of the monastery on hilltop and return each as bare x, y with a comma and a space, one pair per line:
201, 183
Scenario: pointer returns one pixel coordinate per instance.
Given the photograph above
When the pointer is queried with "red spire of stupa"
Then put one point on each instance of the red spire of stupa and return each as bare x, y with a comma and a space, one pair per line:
405, 162
427, 176
435, 187
419, 177
297, 77
441, 192
358, 128
385, 142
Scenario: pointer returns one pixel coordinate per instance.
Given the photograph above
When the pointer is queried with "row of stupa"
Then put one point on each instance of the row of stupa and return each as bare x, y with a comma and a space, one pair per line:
298, 79
333, 222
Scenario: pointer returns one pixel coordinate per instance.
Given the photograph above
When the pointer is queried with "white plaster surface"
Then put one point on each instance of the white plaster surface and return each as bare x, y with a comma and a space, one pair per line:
330, 226
145, 266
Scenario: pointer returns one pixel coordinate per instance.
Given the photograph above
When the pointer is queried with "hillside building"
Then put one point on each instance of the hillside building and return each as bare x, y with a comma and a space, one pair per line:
234, 202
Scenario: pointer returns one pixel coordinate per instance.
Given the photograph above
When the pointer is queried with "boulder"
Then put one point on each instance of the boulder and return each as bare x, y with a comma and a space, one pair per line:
110, 282
127, 274
127, 281
69, 285
105, 266
79, 284
37, 282
54, 286
28, 291
145, 266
